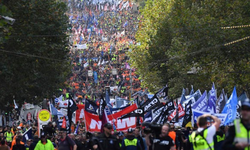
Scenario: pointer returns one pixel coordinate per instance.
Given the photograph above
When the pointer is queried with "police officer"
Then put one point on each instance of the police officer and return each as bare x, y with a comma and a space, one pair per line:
106, 141
120, 138
161, 141
203, 138
219, 138
130, 142
238, 135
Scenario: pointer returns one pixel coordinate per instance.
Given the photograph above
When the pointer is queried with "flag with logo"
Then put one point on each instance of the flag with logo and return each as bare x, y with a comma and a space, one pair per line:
212, 100
231, 108
221, 102
91, 106
150, 104
136, 113
201, 104
72, 107
163, 93
188, 114
102, 105
192, 90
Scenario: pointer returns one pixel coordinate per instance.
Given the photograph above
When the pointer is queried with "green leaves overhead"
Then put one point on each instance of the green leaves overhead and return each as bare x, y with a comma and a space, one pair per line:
182, 35
35, 58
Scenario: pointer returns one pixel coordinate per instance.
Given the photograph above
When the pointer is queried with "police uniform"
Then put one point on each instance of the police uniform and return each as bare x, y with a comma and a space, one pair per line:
238, 133
130, 142
199, 140
107, 143
219, 139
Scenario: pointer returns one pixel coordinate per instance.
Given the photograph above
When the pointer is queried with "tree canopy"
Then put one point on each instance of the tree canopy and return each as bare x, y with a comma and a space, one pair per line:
34, 60
182, 43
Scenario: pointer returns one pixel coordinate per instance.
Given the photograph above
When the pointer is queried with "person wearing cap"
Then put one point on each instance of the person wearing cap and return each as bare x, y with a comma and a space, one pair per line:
120, 138
44, 143
130, 142
65, 142
106, 141
28, 143
238, 135
19, 129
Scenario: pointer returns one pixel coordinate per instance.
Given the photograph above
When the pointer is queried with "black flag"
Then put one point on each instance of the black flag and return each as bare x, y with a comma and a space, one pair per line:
136, 113
150, 104
163, 93
102, 106
168, 110
72, 107
188, 113
176, 117
91, 106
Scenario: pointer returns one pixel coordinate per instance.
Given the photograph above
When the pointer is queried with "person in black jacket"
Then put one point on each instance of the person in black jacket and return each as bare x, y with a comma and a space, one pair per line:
33, 144
106, 141
138, 136
49, 129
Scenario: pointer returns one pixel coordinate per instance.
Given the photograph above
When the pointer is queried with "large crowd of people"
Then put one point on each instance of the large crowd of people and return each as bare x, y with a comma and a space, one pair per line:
100, 36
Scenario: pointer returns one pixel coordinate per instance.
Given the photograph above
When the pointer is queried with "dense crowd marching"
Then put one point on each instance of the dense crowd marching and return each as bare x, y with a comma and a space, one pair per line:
100, 37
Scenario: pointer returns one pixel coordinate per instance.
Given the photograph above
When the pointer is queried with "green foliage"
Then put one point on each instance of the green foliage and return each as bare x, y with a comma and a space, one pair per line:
35, 62
4, 27
176, 36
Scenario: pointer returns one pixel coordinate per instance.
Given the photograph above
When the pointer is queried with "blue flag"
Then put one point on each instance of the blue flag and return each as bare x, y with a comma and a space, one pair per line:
183, 92
183, 98
197, 95
192, 90
53, 110
201, 104
76, 130
95, 76
107, 99
231, 108
212, 100
27, 135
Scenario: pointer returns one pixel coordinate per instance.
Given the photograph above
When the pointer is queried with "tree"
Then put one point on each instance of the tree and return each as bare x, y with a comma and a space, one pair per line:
188, 36
4, 27
35, 61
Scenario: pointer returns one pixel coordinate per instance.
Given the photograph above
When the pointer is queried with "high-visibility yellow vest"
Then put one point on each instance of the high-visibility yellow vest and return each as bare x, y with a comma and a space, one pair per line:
240, 133
130, 142
8, 136
219, 138
199, 142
